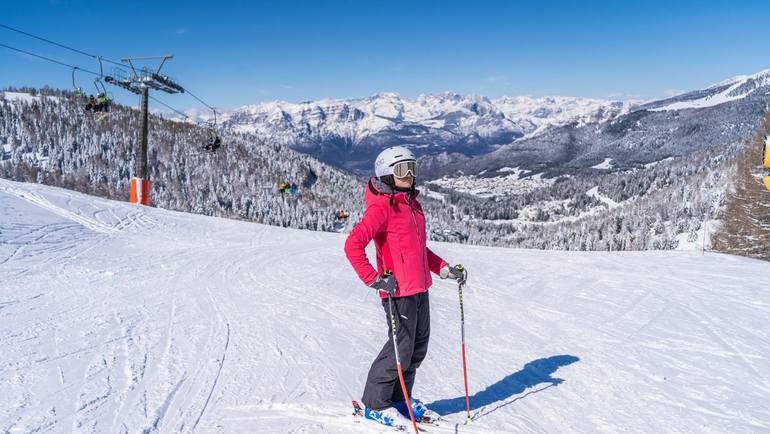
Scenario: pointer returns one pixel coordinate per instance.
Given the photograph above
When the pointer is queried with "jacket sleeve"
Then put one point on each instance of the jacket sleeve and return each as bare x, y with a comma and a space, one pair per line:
435, 263
373, 222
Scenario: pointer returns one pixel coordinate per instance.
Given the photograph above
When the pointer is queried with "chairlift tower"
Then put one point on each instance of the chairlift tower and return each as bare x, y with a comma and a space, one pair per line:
140, 81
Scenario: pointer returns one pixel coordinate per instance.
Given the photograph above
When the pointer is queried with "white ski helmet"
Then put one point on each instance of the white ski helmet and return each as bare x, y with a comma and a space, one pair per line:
388, 158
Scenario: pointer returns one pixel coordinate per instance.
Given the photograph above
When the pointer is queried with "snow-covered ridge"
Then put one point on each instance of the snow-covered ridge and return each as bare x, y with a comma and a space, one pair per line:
23, 97
728, 90
740, 78
429, 107
462, 114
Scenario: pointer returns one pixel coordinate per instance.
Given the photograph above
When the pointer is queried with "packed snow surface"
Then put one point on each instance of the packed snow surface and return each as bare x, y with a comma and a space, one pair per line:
116, 318
19, 96
606, 164
594, 192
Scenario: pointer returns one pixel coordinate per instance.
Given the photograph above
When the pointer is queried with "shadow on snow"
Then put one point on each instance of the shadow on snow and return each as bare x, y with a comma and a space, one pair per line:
532, 374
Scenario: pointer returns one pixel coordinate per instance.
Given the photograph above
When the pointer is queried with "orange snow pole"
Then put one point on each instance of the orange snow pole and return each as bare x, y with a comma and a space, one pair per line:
406, 395
465, 368
140, 191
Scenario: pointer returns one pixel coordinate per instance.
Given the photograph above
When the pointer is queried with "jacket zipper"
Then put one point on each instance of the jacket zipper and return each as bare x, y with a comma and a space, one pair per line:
422, 262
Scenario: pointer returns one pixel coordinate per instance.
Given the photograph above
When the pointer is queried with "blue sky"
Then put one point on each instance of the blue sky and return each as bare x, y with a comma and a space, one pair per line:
236, 53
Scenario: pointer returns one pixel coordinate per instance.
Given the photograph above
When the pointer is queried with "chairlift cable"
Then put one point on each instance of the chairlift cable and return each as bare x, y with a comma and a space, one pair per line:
94, 56
98, 75
48, 59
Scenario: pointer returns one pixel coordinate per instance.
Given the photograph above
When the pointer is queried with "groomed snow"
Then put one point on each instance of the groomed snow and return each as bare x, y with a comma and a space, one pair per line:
116, 318
594, 192
604, 165
655, 163
19, 96
24, 97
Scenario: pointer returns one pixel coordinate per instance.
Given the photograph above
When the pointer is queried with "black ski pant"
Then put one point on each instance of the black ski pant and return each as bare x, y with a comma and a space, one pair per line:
412, 332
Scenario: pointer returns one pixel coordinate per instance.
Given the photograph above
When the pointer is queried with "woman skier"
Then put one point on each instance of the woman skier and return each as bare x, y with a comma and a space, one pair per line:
395, 221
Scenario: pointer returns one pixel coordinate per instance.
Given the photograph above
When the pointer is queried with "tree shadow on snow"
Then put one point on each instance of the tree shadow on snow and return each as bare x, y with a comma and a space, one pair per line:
532, 374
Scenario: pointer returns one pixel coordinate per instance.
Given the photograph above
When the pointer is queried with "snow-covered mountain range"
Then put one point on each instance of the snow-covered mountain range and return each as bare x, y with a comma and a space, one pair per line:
350, 132
450, 128
727, 112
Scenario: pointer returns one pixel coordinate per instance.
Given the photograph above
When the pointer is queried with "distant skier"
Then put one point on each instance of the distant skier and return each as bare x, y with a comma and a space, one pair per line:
394, 219
341, 215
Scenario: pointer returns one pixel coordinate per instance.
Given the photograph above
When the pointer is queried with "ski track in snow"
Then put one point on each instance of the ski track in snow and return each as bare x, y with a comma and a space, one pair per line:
117, 318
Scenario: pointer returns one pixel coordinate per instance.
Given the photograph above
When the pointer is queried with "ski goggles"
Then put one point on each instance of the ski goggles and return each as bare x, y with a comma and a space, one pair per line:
402, 169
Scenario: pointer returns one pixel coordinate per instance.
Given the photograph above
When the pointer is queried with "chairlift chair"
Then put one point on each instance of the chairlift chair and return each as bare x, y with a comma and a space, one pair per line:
78, 91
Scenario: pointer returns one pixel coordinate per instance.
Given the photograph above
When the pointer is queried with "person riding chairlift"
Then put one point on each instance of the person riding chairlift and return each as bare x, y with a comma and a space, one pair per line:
104, 103
213, 144
91, 104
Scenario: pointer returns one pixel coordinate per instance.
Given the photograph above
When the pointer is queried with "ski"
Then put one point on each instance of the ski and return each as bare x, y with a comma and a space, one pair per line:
358, 411
430, 421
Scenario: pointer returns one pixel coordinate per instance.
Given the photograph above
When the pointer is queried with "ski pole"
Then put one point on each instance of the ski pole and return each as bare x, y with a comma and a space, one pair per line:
398, 360
462, 334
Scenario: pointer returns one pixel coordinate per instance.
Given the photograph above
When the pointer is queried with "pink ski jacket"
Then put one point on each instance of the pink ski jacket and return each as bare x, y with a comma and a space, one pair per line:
396, 223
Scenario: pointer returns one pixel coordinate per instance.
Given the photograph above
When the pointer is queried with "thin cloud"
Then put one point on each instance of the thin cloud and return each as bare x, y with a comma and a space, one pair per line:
623, 96
673, 92
26, 56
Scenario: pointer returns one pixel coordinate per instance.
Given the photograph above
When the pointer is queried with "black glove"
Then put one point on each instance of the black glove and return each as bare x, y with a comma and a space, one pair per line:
458, 273
385, 283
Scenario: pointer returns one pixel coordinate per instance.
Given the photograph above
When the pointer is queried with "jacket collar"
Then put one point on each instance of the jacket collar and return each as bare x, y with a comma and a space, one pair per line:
379, 188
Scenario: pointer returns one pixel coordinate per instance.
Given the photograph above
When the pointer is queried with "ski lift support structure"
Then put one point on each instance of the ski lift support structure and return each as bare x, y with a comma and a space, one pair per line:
140, 81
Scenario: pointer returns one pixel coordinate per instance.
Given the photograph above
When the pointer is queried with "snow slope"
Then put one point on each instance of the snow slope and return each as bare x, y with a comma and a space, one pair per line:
115, 318
728, 90
594, 192
604, 165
